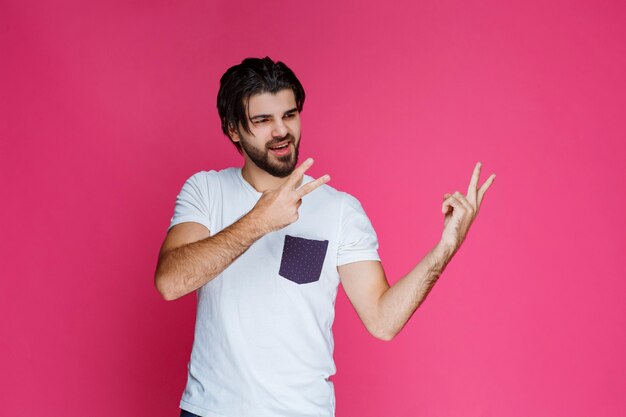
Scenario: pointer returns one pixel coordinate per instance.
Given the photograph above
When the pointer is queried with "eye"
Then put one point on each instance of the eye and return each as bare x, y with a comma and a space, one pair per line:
258, 121
290, 116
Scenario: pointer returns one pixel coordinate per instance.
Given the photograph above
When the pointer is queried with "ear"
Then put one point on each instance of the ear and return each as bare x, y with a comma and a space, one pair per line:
234, 134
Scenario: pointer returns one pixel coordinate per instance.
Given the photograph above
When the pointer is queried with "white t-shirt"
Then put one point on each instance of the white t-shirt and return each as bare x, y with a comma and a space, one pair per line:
263, 344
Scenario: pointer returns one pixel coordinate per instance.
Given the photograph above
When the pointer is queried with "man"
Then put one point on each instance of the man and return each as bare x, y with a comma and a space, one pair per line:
266, 247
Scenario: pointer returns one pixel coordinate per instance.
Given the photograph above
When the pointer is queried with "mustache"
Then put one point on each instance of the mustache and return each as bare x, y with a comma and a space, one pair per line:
288, 137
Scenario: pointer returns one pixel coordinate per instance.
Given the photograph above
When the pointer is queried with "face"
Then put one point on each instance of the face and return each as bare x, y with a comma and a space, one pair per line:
274, 121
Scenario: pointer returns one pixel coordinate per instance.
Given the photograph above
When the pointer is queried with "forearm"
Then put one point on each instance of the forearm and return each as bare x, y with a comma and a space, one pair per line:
400, 301
188, 267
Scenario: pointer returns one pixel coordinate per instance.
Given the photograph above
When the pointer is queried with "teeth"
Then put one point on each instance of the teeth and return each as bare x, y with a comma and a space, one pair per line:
280, 147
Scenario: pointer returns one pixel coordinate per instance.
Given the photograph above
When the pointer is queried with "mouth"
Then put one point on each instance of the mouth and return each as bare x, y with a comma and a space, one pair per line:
281, 148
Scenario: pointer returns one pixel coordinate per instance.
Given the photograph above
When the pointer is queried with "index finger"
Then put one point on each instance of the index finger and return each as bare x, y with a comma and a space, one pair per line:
471, 191
312, 185
298, 173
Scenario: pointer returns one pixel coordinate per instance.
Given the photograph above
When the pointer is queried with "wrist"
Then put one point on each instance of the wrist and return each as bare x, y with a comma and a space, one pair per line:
256, 223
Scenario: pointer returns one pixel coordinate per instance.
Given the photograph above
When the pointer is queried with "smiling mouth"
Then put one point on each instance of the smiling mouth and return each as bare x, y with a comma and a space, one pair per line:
281, 146
281, 150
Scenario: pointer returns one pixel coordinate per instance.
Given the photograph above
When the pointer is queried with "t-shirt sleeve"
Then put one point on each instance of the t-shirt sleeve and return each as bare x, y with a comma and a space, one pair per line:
357, 238
192, 202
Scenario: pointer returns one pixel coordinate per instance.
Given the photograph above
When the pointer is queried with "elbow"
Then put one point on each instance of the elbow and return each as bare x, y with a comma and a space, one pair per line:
167, 296
163, 281
382, 333
165, 291
385, 337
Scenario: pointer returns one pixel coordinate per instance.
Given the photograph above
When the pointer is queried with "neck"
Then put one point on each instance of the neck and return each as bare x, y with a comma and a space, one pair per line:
259, 179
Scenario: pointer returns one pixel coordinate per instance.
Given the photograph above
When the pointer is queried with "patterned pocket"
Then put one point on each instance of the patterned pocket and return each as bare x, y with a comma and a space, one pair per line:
302, 259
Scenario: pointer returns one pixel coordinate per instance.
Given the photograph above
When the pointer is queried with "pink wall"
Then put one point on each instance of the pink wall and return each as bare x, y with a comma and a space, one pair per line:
107, 108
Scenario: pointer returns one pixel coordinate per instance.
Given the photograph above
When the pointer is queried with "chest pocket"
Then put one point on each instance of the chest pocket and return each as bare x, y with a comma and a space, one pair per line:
302, 259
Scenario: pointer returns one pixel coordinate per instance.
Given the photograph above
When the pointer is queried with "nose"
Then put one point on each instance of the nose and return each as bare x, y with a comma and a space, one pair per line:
280, 129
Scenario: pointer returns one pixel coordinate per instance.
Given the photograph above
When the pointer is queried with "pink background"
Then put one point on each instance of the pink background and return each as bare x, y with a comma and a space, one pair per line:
106, 107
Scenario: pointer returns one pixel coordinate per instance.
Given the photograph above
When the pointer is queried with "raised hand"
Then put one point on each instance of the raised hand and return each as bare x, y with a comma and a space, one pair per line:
278, 207
460, 210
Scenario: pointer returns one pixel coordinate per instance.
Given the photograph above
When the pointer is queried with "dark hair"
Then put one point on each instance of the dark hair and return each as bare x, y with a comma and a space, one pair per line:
252, 76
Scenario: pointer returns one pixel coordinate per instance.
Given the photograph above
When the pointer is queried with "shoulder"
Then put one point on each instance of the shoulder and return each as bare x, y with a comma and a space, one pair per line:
204, 184
211, 176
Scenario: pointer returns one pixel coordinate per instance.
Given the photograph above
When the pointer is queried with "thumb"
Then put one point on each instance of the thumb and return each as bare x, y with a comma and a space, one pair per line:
444, 207
449, 202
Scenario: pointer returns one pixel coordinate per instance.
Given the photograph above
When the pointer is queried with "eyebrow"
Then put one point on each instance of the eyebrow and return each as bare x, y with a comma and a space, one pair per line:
267, 116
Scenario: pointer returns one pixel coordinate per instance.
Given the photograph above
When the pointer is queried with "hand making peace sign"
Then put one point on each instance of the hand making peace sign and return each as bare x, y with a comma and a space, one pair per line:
278, 207
460, 211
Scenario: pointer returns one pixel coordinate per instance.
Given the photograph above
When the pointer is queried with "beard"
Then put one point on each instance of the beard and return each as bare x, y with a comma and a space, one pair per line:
278, 166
